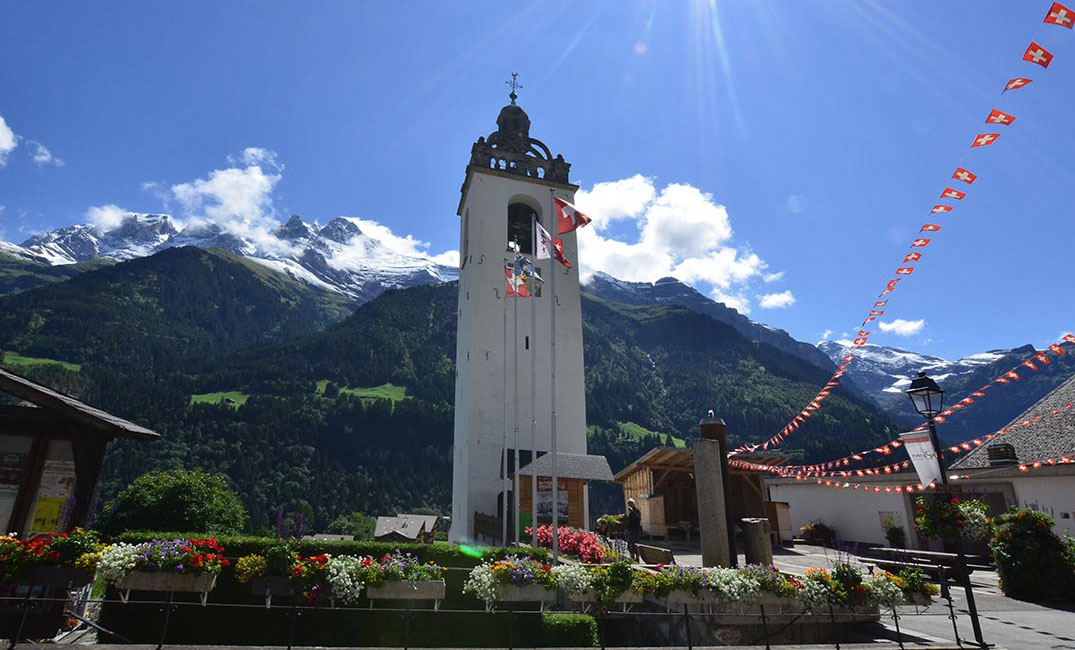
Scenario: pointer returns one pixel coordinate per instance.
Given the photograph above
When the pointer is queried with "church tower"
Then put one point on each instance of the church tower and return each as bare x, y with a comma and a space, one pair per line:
510, 179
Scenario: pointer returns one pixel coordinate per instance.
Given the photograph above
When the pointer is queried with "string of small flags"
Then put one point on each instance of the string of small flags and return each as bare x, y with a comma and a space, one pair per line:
832, 467
1058, 15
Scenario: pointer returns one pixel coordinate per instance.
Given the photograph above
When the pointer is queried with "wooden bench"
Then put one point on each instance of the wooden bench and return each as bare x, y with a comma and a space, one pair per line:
655, 555
929, 562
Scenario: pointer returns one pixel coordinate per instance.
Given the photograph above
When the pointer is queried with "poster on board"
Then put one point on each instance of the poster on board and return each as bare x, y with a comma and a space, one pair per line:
544, 499
56, 487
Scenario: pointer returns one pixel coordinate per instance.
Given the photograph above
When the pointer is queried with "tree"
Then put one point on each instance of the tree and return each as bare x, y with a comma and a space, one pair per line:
358, 524
180, 500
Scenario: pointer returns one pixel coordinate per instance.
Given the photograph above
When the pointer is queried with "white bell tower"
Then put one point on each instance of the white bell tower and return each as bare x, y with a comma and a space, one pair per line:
510, 178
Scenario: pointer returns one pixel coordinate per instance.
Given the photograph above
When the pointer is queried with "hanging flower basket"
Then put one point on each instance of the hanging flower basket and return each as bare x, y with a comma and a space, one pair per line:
198, 583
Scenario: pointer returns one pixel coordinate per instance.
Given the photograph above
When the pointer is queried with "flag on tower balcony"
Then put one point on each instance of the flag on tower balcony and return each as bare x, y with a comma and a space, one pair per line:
568, 217
516, 287
548, 247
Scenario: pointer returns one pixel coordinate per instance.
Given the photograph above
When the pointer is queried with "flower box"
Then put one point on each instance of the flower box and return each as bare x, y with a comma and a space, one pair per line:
922, 600
525, 594
404, 590
627, 597
65, 577
199, 583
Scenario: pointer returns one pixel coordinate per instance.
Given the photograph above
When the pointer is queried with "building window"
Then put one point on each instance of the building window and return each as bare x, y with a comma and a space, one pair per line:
519, 228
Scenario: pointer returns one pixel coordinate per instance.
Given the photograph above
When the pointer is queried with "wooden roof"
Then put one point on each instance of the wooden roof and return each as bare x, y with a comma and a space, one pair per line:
89, 416
580, 466
678, 459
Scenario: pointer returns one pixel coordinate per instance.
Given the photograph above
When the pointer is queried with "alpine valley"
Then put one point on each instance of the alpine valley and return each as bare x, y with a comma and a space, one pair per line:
316, 369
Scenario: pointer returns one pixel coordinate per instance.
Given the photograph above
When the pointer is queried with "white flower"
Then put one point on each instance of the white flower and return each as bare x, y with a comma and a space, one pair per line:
482, 583
117, 562
731, 585
574, 578
345, 578
884, 591
814, 596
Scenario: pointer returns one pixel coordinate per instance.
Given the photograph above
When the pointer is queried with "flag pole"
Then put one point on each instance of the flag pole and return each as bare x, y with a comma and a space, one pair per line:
533, 387
552, 421
504, 452
515, 358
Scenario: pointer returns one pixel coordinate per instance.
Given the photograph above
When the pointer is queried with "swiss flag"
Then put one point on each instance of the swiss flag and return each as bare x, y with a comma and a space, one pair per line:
997, 117
858, 342
912, 257
1070, 338
949, 193
891, 286
568, 217
963, 175
1060, 15
1043, 358
1056, 348
1018, 82
919, 243
1038, 54
985, 139
882, 303
1030, 364
929, 227
864, 333
940, 208
875, 312
1011, 374
905, 270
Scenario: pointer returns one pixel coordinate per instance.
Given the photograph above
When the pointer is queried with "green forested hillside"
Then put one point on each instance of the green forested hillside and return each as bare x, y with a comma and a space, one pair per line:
150, 334
19, 275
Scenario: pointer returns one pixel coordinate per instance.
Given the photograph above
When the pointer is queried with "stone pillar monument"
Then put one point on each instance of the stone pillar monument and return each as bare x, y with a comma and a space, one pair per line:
710, 469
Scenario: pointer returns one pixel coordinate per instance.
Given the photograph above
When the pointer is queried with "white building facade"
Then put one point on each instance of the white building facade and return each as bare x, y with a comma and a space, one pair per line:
504, 346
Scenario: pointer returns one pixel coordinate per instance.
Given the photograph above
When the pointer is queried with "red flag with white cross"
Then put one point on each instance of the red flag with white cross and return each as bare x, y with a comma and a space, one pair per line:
998, 117
940, 208
905, 270
1070, 338
919, 243
949, 193
1060, 15
930, 227
568, 217
1038, 54
1056, 349
985, 139
912, 257
1042, 357
1015, 84
964, 175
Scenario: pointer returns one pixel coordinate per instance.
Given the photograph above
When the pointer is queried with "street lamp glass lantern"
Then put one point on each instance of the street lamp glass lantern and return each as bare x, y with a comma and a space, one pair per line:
926, 396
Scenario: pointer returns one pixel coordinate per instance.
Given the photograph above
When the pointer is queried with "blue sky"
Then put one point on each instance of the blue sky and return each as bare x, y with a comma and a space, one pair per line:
780, 155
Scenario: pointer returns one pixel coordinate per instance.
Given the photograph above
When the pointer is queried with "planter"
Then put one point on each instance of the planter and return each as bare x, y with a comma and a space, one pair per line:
269, 586
199, 583
523, 594
921, 600
627, 599
403, 590
68, 578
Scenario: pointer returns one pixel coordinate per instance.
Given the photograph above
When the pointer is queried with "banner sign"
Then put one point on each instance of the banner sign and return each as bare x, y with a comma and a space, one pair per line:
919, 447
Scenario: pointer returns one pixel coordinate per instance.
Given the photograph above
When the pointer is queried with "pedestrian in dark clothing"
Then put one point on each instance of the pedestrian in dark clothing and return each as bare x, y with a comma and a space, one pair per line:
634, 528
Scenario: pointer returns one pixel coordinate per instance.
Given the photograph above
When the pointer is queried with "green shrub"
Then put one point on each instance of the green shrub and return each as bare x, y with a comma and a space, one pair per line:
1033, 562
193, 501
359, 524
569, 631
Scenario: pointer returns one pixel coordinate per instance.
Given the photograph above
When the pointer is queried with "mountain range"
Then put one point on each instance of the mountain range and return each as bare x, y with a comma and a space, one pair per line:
340, 256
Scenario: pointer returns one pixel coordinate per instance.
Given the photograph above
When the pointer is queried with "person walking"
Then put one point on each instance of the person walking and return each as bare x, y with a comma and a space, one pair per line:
634, 528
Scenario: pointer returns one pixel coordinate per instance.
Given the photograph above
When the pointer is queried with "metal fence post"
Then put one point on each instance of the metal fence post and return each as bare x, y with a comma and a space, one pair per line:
687, 625
835, 629
764, 626
167, 617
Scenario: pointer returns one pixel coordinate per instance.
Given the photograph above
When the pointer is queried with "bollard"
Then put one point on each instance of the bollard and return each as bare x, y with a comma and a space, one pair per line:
757, 541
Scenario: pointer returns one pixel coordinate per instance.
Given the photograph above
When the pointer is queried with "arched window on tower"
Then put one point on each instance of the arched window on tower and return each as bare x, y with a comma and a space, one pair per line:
519, 229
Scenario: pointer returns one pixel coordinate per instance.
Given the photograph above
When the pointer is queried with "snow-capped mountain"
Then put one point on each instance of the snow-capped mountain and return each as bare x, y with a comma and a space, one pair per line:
671, 290
884, 373
339, 256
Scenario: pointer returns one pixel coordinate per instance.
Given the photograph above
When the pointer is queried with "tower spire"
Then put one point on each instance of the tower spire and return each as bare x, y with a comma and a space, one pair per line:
515, 85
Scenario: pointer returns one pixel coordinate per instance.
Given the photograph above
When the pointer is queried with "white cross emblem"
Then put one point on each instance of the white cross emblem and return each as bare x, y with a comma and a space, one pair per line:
985, 139
940, 208
999, 118
1060, 17
963, 176
1037, 56
1017, 83
952, 194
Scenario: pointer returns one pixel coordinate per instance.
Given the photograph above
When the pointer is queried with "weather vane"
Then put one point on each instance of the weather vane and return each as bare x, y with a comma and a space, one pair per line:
515, 85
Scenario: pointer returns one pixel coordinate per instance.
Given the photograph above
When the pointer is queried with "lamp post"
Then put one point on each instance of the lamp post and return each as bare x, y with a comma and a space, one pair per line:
928, 400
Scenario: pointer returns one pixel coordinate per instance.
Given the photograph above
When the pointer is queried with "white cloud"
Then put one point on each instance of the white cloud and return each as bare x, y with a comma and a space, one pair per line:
106, 217
781, 300
447, 258
8, 141
902, 327
681, 232
42, 156
825, 335
238, 200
